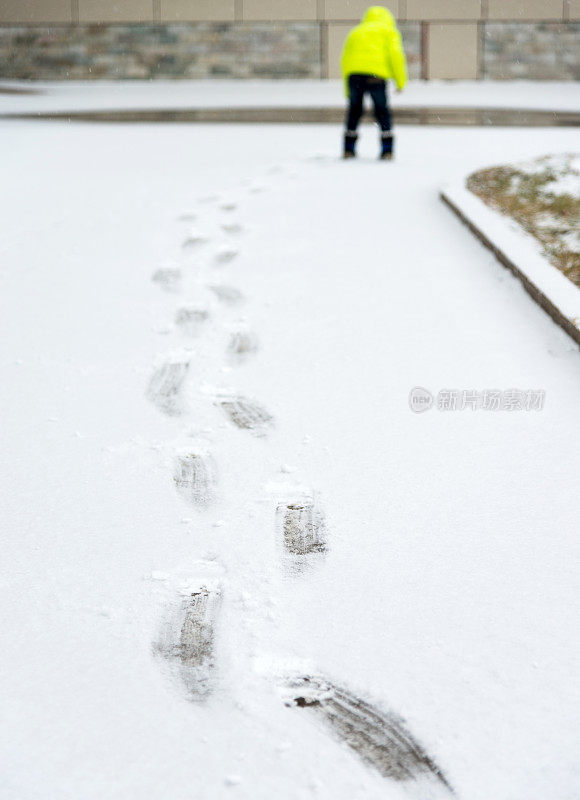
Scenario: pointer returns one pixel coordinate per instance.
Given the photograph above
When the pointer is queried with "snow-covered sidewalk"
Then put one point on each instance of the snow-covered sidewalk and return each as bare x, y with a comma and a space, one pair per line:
322, 292
103, 95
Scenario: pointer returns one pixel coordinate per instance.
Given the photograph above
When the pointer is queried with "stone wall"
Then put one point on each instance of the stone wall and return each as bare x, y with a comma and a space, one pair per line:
194, 50
184, 50
540, 51
292, 49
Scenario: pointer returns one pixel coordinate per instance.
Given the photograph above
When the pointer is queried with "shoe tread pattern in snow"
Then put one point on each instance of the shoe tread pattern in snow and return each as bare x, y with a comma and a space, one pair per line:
232, 227
302, 527
225, 255
228, 295
246, 414
195, 478
190, 320
241, 345
166, 385
168, 279
380, 738
194, 240
188, 641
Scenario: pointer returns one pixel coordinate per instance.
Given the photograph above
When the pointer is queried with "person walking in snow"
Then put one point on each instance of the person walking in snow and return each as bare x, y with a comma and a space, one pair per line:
372, 53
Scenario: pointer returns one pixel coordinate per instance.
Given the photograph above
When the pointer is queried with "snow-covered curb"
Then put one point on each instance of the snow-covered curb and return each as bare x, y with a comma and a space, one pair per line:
558, 296
61, 96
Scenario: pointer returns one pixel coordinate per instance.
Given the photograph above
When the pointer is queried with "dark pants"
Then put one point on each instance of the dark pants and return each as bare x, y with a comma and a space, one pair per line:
377, 88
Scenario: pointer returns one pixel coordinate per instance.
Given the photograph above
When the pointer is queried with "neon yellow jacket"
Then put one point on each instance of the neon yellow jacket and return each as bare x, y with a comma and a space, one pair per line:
375, 48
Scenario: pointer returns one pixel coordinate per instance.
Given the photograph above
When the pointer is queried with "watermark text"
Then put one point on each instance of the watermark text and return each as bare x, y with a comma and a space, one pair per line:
421, 399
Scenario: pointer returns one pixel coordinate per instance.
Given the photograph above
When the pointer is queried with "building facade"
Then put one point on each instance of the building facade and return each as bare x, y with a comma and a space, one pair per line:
445, 39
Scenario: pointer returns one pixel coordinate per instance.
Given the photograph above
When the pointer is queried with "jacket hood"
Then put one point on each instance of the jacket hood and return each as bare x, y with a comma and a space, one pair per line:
379, 14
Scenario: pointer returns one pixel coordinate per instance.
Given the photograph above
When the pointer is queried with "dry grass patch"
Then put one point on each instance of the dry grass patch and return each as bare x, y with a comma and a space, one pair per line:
543, 197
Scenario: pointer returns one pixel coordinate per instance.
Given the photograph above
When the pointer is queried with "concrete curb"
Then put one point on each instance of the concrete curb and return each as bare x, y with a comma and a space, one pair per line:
557, 295
411, 115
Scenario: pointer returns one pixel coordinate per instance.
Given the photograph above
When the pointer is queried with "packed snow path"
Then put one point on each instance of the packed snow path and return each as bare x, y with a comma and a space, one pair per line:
209, 338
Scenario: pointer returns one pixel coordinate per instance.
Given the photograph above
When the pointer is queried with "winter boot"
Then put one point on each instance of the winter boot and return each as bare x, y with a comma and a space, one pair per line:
350, 138
387, 140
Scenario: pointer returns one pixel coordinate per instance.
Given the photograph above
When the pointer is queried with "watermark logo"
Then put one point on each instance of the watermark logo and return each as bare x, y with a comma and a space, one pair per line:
421, 399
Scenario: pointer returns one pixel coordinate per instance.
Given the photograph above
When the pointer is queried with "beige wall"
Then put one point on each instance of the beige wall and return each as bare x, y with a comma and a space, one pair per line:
443, 9
119, 11
254, 10
453, 50
198, 11
521, 10
336, 36
62, 11
29, 11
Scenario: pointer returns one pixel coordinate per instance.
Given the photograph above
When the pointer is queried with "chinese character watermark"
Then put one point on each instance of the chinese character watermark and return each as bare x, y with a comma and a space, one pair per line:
421, 399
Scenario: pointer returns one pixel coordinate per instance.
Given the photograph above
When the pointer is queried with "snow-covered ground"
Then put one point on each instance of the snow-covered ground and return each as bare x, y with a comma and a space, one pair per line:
447, 590
95, 95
